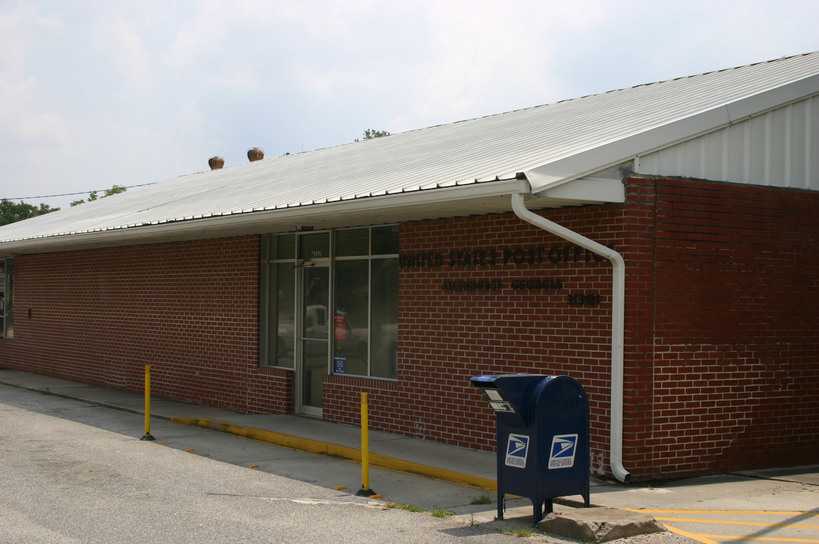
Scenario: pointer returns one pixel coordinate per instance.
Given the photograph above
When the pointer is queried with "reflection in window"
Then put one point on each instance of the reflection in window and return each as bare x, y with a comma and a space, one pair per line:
282, 337
363, 310
384, 334
366, 302
7, 298
351, 339
351, 242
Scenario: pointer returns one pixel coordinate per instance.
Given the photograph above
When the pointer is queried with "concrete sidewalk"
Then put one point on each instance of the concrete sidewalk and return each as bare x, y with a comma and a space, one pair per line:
392, 452
791, 489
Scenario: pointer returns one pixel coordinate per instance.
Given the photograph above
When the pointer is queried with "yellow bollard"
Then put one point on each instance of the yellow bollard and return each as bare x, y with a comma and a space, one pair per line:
365, 490
147, 404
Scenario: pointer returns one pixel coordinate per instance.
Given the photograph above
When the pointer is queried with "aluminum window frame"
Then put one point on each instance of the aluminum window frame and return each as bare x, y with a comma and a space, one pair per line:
267, 308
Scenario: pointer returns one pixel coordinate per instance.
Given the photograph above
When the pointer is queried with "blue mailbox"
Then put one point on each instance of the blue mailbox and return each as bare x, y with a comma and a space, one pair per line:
543, 437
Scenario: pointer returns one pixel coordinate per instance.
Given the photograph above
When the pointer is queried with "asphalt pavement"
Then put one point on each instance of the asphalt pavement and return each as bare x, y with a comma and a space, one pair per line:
431, 468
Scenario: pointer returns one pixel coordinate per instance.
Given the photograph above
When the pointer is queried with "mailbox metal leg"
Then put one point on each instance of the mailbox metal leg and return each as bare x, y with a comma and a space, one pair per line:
541, 507
499, 472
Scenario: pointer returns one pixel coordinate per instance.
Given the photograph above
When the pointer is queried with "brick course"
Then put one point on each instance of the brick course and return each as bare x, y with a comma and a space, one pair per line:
188, 309
735, 345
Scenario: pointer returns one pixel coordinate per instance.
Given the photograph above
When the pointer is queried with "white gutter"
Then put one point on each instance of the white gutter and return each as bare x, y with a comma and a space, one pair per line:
618, 290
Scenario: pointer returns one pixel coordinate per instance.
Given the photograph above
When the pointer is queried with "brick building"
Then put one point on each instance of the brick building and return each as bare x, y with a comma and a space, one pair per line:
659, 243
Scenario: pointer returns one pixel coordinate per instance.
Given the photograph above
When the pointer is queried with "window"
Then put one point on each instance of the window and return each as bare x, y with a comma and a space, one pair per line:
7, 297
363, 266
384, 330
278, 301
366, 301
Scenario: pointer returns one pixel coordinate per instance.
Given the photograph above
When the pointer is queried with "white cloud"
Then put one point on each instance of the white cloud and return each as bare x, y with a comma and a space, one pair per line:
16, 91
20, 31
24, 121
481, 57
45, 129
188, 122
123, 43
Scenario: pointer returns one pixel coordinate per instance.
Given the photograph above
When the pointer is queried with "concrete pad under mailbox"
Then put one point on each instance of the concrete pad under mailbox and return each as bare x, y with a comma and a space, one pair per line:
598, 524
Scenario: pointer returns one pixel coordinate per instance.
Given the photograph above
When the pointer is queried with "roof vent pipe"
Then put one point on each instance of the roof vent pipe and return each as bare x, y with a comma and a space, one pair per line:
216, 163
255, 154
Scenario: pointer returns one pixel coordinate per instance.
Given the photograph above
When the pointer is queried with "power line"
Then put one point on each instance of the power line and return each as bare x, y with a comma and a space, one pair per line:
73, 194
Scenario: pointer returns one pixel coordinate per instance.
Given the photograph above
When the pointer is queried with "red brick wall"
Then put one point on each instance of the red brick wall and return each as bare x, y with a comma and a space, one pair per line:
735, 339
189, 309
342, 400
446, 337
721, 343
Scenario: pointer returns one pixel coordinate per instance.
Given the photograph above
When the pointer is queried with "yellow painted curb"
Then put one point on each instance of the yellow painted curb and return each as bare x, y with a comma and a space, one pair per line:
345, 452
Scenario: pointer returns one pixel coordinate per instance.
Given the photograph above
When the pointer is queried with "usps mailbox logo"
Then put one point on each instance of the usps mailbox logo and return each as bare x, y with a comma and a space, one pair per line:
562, 453
516, 450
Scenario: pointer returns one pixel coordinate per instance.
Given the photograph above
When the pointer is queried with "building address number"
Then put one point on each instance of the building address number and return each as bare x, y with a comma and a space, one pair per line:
584, 299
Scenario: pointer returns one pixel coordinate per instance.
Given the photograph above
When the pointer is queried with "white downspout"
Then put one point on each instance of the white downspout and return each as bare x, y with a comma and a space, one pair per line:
618, 291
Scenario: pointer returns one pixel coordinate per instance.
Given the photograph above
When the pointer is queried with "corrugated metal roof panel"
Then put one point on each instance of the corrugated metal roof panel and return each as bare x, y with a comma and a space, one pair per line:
778, 148
552, 143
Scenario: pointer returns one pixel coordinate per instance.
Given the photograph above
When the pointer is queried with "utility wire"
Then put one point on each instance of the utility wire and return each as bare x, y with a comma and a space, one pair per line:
72, 194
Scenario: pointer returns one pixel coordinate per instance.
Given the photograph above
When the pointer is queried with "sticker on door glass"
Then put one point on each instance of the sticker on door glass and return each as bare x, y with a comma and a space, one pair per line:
340, 328
562, 452
516, 450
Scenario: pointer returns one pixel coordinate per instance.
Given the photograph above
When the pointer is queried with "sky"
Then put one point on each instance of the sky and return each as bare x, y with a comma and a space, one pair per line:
96, 93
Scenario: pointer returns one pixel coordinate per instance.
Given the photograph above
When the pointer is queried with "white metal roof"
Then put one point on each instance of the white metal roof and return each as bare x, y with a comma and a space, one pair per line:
461, 168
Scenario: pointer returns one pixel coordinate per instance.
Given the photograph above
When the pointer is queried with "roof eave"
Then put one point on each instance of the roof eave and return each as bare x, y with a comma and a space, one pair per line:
475, 198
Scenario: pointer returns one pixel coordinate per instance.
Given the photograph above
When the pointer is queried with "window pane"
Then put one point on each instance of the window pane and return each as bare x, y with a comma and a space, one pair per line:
283, 247
2, 297
352, 316
315, 368
316, 300
352, 242
282, 315
9, 300
314, 246
315, 333
385, 240
384, 332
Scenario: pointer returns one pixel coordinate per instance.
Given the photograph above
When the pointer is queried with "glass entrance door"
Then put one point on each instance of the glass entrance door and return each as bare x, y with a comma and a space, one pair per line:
314, 337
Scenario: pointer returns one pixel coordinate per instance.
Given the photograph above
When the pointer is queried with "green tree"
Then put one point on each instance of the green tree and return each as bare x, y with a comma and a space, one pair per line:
370, 133
94, 195
11, 212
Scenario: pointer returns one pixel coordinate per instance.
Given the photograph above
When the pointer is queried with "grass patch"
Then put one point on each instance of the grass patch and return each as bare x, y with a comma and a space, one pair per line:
438, 513
523, 533
483, 499
405, 506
